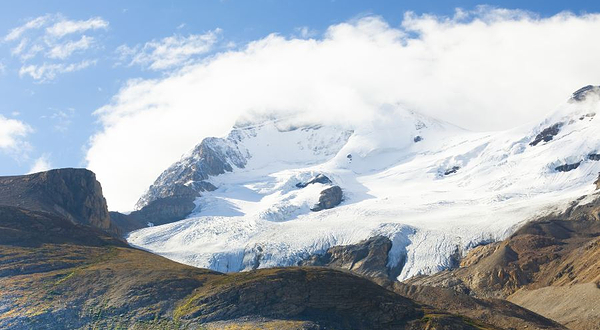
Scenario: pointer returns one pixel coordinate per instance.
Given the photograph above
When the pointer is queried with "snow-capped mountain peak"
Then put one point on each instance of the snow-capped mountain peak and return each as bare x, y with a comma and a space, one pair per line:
434, 189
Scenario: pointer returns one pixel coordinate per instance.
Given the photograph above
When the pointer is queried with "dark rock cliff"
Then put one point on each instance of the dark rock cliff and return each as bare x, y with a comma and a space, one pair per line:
74, 194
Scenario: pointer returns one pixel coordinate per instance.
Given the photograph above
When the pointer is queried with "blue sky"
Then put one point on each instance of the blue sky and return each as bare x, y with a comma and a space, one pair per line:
87, 67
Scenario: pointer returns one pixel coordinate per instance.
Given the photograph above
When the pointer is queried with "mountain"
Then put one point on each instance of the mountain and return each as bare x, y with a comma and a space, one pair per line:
550, 266
61, 271
265, 195
69, 193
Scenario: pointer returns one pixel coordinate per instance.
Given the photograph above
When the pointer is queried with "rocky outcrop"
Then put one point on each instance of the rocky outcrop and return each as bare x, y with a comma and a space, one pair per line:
158, 212
368, 257
582, 93
501, 313
594, 157
567, 167
547, 134
452, 170
126, 223
70, 193
320, 178
165, 210
188, 177
171, 197
556, 257
329, 198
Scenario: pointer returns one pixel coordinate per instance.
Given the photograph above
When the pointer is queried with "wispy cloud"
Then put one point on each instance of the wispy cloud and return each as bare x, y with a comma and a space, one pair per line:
170, 52
47, 45
35, 23
64, 50
64, 26
47, 72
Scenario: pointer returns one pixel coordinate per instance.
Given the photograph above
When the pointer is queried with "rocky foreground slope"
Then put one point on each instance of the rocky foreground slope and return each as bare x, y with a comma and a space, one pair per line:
550, 266
59, 272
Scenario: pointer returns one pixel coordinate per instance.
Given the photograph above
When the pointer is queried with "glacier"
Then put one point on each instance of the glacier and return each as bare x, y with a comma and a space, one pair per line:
434, 189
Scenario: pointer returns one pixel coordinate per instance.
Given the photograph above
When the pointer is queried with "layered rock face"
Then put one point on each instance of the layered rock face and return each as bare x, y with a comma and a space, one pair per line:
70, 193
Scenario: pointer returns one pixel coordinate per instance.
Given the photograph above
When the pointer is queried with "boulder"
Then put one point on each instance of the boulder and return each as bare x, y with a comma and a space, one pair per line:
330, 198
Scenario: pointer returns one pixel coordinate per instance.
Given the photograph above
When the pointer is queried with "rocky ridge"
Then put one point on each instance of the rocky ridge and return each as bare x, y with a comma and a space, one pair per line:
69, 193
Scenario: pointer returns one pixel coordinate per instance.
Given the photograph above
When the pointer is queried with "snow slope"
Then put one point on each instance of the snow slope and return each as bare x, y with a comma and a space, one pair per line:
395, 173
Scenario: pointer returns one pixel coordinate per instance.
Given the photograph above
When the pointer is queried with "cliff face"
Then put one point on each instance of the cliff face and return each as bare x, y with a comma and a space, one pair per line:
70, 193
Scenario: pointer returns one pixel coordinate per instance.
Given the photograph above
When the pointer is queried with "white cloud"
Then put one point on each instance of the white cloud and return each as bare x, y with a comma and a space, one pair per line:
34, 23
47, 44
12, 135
64, 50
2, 68
41, 164
489, 69
169, 52
65, 27
46, 72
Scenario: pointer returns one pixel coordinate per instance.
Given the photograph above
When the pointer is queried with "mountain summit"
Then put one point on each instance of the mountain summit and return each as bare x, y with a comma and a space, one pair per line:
434, 190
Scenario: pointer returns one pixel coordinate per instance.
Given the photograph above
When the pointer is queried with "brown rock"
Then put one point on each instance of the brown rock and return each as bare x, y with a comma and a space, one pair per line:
330, 198
71, 193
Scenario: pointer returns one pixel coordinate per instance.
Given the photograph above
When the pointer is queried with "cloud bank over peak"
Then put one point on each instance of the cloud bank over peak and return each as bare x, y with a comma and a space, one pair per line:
485, 69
